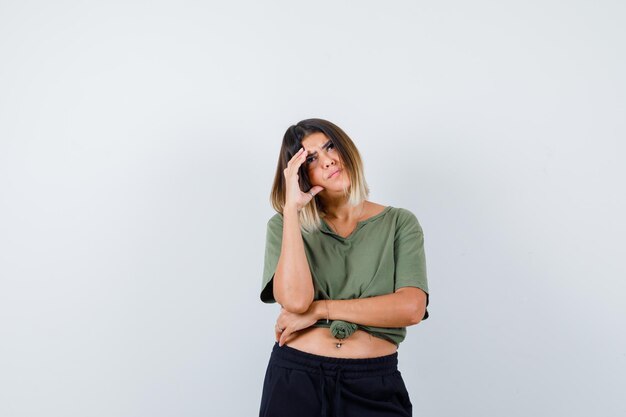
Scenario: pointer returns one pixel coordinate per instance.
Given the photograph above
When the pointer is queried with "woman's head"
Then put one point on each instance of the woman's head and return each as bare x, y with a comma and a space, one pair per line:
328, 149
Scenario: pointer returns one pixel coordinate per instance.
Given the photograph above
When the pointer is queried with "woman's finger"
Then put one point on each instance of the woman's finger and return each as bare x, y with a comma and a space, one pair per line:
277, 331
301, 160
315, 190
295, 157
298, 161
283, 337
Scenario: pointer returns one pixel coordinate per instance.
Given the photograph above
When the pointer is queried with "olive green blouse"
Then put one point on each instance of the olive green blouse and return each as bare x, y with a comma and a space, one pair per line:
383, 253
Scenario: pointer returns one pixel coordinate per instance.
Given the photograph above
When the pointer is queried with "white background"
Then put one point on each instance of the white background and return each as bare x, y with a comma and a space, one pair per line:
138, 143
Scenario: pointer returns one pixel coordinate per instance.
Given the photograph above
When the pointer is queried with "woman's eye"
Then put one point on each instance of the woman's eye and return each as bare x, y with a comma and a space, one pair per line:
331, 146
310, 159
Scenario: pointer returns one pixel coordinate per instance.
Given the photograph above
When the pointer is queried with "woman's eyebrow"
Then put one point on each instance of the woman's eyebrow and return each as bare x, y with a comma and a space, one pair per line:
324, 146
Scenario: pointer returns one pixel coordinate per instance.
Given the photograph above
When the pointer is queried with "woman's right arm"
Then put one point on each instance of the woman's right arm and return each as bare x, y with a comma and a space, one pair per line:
293, 283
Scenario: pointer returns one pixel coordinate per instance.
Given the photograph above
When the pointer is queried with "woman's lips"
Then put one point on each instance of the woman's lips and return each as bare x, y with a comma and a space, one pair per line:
334, 174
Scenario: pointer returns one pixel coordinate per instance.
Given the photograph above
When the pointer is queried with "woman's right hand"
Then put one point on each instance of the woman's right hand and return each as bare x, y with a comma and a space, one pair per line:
294, 195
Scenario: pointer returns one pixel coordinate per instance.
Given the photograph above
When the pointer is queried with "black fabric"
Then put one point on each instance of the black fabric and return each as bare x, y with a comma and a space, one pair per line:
306, 385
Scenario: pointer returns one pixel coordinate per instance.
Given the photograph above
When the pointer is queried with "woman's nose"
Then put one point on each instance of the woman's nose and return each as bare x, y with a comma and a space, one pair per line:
328, 160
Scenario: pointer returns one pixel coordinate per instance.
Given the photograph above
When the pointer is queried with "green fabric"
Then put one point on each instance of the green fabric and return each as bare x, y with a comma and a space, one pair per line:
382, 254
342, 329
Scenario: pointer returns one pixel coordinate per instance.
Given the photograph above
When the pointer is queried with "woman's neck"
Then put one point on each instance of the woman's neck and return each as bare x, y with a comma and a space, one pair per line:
343, 212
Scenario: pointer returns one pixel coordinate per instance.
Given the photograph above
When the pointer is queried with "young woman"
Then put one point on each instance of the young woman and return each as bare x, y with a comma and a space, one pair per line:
350, 276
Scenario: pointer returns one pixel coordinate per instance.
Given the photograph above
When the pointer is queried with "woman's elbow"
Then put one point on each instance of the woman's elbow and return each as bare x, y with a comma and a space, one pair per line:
296, 305
415, 305
416, 314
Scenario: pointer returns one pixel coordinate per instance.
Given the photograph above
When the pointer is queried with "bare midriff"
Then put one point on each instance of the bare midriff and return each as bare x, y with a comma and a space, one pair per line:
319, 341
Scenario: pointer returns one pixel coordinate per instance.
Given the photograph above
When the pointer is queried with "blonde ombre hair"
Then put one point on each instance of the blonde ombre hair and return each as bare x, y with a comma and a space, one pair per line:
312, 213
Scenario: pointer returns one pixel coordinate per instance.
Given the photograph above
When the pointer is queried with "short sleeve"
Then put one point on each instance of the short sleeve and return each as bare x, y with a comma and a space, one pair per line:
273, 243
410, 260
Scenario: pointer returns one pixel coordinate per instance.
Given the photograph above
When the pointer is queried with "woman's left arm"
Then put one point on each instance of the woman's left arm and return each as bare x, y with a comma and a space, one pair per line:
405, 307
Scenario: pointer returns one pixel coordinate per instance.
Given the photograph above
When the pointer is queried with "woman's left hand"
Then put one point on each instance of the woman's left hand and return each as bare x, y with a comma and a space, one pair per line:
291, 322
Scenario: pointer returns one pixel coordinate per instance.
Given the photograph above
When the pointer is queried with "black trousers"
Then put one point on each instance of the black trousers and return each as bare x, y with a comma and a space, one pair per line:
300, 384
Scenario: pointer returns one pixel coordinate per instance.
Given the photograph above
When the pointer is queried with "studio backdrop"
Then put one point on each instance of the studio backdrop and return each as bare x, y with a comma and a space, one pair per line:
139, 142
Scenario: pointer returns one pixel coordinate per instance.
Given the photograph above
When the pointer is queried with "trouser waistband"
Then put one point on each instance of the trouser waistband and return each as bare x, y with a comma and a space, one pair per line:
351, 368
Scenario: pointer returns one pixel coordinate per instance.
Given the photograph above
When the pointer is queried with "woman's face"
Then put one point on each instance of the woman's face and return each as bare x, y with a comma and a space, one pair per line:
324, 164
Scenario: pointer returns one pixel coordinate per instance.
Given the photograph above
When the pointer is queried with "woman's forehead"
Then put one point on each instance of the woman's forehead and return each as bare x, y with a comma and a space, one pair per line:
314, 141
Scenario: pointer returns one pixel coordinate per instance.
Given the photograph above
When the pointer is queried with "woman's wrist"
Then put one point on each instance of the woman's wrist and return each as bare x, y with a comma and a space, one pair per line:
319, 309
291, 211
